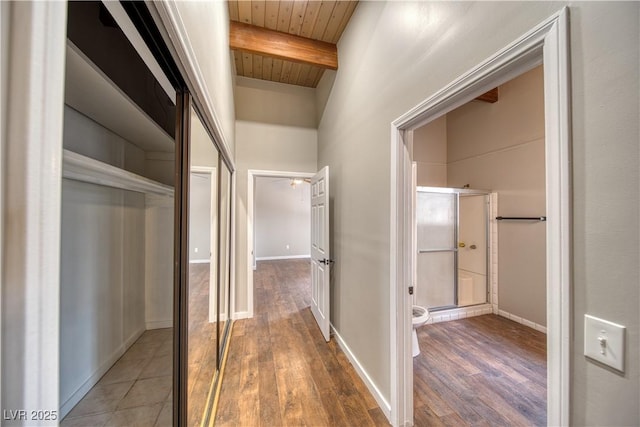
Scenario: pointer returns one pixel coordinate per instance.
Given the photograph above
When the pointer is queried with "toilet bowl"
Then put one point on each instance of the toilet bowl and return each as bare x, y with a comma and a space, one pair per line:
420, 316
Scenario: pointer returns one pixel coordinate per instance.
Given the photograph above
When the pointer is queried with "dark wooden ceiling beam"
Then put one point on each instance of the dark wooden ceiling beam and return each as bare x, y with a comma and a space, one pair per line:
490, 97
274, 44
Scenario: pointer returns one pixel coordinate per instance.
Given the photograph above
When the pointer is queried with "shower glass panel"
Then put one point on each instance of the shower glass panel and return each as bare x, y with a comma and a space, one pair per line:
472, 250
436, 279
437, 216
452, 245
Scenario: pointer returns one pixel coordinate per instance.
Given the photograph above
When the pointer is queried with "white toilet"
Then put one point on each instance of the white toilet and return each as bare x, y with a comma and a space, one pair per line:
420, 317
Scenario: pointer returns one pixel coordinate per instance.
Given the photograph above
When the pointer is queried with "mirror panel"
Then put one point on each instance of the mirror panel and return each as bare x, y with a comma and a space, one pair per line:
225, 252
202, 308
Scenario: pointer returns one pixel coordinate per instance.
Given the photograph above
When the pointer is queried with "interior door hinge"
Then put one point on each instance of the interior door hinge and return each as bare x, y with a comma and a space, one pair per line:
410, 290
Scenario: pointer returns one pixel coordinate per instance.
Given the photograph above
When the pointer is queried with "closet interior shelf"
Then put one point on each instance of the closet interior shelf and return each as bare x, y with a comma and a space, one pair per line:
85, 169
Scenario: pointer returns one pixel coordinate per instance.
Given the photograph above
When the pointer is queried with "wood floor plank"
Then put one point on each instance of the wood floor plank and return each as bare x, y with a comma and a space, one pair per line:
268, 395
483, 370
301, 379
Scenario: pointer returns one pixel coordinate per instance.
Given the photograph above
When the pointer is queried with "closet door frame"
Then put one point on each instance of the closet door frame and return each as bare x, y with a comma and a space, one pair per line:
181, 258
31, 156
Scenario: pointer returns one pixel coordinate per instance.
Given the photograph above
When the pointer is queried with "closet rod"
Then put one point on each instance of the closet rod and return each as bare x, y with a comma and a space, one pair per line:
521, 218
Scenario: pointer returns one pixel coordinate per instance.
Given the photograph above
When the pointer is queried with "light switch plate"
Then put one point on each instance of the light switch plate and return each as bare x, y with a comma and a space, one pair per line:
604, 341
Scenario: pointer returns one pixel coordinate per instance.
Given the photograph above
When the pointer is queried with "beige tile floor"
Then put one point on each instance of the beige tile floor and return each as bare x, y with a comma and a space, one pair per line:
136, 391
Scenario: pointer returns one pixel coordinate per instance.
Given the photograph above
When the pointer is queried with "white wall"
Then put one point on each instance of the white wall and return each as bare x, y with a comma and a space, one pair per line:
4, 81
115, 279
158, 266
282, 218
87, 137
101, 280
394, 55
275, 103
430, 153
200, 217
500, 147
160, 167
206, 25
84, 136
265, 146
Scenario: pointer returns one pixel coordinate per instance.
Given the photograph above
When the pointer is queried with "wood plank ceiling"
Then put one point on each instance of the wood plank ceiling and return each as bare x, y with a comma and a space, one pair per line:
316, 20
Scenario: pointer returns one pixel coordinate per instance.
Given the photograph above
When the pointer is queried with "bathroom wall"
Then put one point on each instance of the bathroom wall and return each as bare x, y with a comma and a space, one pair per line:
282, 219
430, 153
500, 147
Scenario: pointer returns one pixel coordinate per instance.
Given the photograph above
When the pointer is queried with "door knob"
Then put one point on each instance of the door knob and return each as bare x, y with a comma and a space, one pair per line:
461, 244
472, 247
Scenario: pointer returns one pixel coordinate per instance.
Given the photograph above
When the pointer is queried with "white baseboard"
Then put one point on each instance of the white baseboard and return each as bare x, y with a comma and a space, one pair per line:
199, 261
159, 324
241, 315
362, 373
523, 321
460, 313
73, 400
273, 258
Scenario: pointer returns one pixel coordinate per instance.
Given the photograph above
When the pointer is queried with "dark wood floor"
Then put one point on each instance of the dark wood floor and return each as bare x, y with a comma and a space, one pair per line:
280, 371
202, 344
484, 370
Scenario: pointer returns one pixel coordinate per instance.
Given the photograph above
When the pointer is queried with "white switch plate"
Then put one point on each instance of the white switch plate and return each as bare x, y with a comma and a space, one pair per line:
604, 341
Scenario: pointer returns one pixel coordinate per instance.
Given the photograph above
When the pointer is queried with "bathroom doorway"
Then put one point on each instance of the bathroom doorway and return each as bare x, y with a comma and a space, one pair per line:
498, 145
544, 44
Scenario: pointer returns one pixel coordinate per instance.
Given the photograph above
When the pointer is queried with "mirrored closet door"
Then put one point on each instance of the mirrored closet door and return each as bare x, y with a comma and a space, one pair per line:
203, 299
146, 229
225, 256
208, 281
117, 229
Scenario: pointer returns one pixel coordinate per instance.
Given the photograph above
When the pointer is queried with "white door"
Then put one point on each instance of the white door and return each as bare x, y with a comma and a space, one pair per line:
320, 256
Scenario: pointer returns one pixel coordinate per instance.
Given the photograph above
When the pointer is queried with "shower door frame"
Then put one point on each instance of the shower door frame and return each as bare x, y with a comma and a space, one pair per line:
456, 238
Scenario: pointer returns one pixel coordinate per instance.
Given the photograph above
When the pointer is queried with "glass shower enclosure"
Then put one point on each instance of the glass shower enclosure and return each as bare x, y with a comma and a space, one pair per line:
452, 247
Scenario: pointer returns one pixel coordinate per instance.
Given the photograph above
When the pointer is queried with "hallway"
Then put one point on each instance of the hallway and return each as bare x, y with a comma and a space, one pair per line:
280, 371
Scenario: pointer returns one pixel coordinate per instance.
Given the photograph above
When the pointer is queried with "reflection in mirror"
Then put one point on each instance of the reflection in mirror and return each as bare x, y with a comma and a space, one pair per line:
225, 270
203, 263
116, 224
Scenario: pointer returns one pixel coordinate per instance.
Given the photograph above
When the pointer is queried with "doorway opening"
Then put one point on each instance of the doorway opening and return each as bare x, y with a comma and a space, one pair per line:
480, 258
202, 231
278, 222
546, 44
